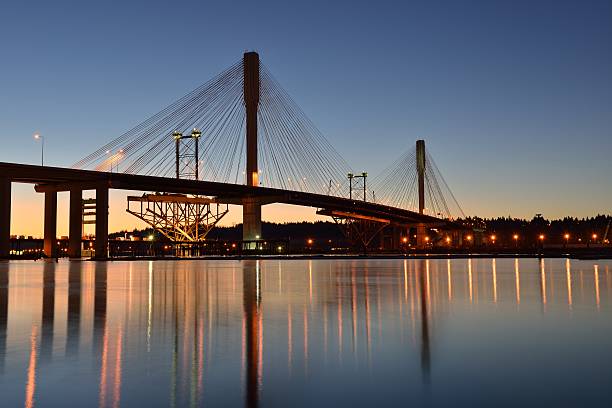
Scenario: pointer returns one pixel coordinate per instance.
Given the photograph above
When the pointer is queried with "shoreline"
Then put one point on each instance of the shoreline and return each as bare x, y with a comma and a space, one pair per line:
584, 257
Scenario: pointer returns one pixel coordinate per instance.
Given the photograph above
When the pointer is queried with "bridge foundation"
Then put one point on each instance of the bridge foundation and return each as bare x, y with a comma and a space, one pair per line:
101, 245
75, 226
5, 217
251, 219
50, 225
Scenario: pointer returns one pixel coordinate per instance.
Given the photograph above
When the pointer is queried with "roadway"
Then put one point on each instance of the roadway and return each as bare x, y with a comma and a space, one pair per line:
50, 179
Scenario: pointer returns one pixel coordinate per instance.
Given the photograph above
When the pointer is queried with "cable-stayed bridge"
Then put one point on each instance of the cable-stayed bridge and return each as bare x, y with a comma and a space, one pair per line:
237, 139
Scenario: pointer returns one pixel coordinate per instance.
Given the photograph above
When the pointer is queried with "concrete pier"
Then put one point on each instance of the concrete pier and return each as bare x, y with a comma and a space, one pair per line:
75, 227
50, 227
101, 246
251, 219
5, 216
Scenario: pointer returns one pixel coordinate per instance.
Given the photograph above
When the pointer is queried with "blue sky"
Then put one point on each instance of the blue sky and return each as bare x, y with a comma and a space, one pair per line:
514, 98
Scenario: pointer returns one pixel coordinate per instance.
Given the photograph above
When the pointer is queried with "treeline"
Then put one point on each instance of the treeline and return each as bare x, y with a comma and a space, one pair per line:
317, 231
504, 229
568, 229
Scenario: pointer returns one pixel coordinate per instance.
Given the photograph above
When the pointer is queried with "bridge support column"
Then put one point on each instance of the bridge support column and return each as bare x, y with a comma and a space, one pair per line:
251, 209
75, 228
420, 163
101, 245
5, 217
421, 233
50, 228
251, 219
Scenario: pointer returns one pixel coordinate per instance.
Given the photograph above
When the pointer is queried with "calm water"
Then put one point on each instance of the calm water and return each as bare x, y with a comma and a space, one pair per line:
306, 333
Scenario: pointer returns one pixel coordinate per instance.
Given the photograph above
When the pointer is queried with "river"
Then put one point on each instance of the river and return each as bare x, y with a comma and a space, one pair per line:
472, 332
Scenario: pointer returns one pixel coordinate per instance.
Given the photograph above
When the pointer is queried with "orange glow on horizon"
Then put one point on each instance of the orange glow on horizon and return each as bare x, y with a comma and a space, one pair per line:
27, 213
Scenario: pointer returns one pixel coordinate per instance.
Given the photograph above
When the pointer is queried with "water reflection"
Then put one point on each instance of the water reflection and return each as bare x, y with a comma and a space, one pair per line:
191, 333
74, 308
423, 272
253, 342
4, 291
31, 378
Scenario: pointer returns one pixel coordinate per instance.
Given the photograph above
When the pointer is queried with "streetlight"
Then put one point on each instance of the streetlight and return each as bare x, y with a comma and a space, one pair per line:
541, 238
566, 236
594, 238
493, 237
469, 239
38, 136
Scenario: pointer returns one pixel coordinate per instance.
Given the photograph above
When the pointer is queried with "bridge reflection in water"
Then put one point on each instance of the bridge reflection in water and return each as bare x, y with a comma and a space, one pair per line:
194, 332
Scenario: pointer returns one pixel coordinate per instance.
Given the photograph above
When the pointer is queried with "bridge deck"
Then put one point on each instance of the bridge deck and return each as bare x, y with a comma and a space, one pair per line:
63, 179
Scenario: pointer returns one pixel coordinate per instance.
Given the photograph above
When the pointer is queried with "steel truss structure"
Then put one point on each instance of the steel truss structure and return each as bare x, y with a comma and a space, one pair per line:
358, 229
178, 217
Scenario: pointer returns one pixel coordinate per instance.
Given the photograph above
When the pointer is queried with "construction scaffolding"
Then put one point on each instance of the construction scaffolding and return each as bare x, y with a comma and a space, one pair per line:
180, 217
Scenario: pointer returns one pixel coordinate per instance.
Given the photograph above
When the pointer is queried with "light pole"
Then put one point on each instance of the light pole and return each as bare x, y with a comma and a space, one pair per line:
515, 237
541, 238
38, 136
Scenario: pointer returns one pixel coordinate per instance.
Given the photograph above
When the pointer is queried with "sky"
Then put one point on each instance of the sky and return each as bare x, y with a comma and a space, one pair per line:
513, 98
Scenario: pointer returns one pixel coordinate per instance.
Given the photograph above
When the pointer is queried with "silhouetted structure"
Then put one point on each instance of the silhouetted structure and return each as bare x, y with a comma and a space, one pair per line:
241, 110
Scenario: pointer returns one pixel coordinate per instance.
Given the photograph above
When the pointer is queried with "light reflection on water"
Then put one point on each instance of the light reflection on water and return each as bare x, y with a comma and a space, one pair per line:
305, 332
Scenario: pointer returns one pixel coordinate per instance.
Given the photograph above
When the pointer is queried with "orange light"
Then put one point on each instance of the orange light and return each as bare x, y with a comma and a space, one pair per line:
448, 239
469, 237
493, 237
594, 236
515, 236
405, 239
310, 241
541, 237
566, 236
427, 239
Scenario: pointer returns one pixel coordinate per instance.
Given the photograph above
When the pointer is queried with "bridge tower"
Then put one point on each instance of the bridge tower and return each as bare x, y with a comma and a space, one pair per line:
251, 206
420, 167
